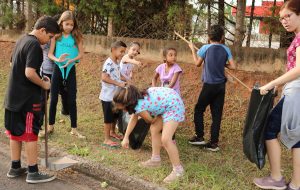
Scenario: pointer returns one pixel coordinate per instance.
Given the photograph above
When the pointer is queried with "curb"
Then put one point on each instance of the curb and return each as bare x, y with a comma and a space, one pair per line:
98, 171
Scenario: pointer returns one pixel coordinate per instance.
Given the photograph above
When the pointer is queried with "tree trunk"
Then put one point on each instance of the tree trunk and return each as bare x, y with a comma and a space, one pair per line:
208, 17
239, 28
271, 25
23, 7
250, 24
29, 16
110, 30
12, 9
221, 20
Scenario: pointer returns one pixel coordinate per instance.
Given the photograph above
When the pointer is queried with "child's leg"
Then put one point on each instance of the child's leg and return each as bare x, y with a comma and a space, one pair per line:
275, 180
203, 101
55, 83
107, 129
155, 130
296, 166
216, 108
113, 129
15, 150
169, 129
274, 156
64, 102
72, 90
31, 153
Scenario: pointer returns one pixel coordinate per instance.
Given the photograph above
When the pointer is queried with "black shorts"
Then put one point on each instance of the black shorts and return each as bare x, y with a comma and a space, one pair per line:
110, 116
23, 125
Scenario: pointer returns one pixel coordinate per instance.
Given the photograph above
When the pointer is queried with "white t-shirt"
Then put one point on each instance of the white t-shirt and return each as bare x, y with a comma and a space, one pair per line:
108, 90
126, 69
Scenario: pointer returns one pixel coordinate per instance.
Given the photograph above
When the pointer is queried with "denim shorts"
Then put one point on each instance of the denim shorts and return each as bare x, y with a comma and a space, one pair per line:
274, 123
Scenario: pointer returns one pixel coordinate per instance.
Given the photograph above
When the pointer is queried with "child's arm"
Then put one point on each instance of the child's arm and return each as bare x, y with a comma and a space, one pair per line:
287, 77
131, 125
174, 79
197, 60
231, 64
147, 117
127, 59
31, 74
106, 78
123, 78
51, 56
79, 56
154, 80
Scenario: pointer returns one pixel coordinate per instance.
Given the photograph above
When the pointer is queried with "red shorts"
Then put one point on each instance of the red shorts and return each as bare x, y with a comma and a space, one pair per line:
22, 126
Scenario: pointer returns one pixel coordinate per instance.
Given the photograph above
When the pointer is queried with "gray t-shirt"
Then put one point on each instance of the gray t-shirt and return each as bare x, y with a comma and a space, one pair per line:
47, 65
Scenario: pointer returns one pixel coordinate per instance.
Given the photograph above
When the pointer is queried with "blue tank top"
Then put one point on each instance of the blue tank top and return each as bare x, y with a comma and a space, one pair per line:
66, 45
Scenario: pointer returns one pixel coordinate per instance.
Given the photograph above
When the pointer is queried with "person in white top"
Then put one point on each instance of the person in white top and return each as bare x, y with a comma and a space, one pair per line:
111, 81
128, 61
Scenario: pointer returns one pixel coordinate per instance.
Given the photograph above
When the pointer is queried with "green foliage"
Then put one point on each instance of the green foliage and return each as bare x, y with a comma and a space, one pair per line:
79, 151
7, 16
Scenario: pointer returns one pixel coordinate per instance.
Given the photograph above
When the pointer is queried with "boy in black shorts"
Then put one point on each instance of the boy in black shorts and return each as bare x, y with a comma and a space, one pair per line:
22, 100
111, 81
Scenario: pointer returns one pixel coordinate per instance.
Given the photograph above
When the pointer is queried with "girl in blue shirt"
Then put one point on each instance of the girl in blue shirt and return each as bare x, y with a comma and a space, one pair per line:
68, 48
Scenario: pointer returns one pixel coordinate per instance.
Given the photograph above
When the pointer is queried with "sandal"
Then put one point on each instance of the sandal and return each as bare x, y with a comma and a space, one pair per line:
77, 134
116, 136
111, 145
43, 132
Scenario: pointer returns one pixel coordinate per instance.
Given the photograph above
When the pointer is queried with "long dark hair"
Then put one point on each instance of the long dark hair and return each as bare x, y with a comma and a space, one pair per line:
129, 97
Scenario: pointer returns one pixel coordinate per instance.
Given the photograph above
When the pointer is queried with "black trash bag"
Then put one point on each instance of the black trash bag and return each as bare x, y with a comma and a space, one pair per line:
139, 133
256, 121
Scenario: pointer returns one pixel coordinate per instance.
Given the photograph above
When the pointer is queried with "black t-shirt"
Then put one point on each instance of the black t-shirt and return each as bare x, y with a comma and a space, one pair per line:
21, 91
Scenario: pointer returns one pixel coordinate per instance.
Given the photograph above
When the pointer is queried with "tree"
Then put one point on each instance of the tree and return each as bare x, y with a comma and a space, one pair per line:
29, 16
250, 24
221, 20
239, 28
271, 26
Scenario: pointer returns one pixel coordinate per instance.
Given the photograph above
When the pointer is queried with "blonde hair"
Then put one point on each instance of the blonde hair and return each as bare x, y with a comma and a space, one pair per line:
69, 15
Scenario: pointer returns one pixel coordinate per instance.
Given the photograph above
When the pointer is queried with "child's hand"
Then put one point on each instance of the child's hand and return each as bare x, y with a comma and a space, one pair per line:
63, 57
46, 83
68, 63
265, 89
122, 84
125, 143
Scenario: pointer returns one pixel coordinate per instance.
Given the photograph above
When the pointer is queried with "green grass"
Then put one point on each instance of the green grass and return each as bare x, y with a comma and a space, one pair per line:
227, 169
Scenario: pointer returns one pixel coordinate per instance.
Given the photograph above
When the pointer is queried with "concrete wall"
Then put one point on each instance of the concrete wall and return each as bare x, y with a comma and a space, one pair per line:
153, 48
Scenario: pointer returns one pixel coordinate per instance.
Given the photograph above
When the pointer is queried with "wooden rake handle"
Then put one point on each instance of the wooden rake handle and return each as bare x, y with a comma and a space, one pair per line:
243, 84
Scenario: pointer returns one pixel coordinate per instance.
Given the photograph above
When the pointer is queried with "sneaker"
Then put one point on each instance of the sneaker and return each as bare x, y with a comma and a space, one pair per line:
270, 183
38, 177
173, 176
12, 173
197, 141
151, 164
290, 188
212, 147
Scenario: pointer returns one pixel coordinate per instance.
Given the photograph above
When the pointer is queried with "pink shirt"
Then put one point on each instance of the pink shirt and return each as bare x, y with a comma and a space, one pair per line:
166, 78
291, 53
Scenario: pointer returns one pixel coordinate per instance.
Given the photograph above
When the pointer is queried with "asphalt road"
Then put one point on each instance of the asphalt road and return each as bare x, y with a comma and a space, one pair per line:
66, 179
